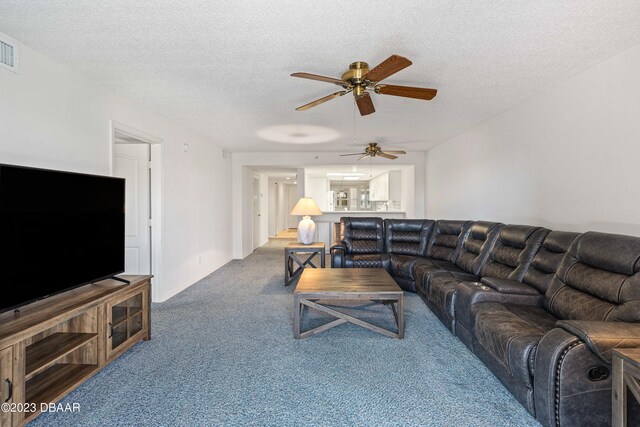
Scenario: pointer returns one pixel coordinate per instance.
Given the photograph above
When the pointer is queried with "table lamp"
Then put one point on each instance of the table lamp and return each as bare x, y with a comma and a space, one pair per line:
306, 228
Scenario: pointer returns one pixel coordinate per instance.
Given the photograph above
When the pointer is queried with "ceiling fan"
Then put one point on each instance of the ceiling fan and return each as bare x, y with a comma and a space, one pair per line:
360, 80
373, 150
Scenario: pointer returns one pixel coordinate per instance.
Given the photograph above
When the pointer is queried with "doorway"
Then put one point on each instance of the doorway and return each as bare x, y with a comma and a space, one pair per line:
131, 162
137, 156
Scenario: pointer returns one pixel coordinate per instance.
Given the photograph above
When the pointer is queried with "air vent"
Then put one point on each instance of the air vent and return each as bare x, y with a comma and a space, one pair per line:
8, 53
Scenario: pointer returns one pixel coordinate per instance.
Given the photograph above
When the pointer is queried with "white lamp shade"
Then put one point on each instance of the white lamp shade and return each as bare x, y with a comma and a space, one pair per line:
306, 228
306, 206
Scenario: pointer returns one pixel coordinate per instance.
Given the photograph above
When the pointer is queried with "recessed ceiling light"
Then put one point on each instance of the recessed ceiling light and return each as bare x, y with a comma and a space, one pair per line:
288, 178
295, 182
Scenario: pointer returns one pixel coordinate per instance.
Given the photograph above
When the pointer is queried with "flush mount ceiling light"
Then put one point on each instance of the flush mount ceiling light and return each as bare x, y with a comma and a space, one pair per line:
299, 134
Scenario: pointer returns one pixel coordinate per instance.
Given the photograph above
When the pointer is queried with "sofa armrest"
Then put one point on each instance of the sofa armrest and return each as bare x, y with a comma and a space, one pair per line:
570, 381
507, 286
337, 245
472, 293
602, 337
337, 251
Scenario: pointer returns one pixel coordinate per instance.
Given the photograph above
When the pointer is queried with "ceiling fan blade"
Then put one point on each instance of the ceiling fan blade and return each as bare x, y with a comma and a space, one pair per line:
407, 91
317, 77
321, 100
386, 68
352, 154
365, 104
394, 152
386, 156
366, 155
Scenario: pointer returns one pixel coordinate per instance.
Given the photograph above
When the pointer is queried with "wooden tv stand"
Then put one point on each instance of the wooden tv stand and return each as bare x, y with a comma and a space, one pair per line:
53, 345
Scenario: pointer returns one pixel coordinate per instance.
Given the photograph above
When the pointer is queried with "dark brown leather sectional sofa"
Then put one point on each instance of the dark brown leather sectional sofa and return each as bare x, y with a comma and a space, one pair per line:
542, 309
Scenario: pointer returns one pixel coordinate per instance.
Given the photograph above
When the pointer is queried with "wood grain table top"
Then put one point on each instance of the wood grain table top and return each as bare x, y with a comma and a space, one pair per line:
346, 280
300, 245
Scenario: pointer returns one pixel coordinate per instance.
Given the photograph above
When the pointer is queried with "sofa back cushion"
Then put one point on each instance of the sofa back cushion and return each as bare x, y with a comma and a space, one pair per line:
407, 236
476, 245
598, 279
513, 250
446, 239
546, 261
362, 235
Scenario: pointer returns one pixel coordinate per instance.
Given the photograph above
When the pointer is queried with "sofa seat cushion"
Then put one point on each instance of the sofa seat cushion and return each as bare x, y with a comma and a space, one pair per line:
443, 287
403, 265
427, 268
510, 334
366, 261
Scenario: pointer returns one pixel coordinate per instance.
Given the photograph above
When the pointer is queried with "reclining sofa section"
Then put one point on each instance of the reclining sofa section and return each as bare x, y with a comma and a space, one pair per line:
542, 309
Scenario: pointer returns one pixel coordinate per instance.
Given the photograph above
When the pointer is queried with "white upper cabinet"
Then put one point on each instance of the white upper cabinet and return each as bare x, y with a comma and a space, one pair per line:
385, 187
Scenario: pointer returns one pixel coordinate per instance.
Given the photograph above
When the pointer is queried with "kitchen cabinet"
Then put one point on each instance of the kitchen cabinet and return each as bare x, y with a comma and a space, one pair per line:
385, 187
379, 188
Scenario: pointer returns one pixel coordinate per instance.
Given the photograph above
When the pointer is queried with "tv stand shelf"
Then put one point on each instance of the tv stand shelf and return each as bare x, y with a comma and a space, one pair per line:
57, 381
47, 351
52, 346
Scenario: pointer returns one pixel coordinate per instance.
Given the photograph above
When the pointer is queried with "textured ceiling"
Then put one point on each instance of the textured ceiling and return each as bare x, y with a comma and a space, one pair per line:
221, 68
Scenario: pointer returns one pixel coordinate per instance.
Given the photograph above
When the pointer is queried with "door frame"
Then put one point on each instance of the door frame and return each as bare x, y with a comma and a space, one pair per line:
256, 223
155, 149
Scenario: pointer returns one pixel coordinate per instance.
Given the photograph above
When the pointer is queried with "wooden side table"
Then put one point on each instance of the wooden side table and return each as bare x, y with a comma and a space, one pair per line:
626, 375
291, 251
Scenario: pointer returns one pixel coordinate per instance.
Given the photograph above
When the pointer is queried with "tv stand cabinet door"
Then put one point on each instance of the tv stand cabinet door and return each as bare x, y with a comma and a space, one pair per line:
6, 384
127, 321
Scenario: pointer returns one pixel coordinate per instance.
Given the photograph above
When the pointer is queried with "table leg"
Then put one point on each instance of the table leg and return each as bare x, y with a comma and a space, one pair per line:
296, 316
401, 317
286, 267
618, 395
322, 254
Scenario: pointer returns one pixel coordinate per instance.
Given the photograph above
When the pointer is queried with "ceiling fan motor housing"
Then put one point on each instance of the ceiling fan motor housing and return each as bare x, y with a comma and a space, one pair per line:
355, 73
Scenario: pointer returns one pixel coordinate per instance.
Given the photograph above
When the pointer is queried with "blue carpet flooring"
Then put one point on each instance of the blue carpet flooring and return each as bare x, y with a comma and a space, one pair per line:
222, 353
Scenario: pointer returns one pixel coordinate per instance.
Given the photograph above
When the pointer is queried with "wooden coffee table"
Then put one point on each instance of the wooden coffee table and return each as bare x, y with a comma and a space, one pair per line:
350, 284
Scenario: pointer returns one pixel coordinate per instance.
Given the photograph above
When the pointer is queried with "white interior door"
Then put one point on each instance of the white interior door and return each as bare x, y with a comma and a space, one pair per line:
293, 199
256, 212
131, 161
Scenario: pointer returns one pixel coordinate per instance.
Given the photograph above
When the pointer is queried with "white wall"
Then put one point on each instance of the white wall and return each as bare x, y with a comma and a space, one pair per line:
55, 118
242, 162
272, 211
317, 189
567, 159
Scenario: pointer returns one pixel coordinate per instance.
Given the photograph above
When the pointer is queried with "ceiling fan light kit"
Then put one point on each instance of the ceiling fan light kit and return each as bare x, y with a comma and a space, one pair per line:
361, 81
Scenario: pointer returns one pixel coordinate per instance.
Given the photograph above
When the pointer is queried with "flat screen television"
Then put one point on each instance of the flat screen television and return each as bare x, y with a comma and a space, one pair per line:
58, 230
